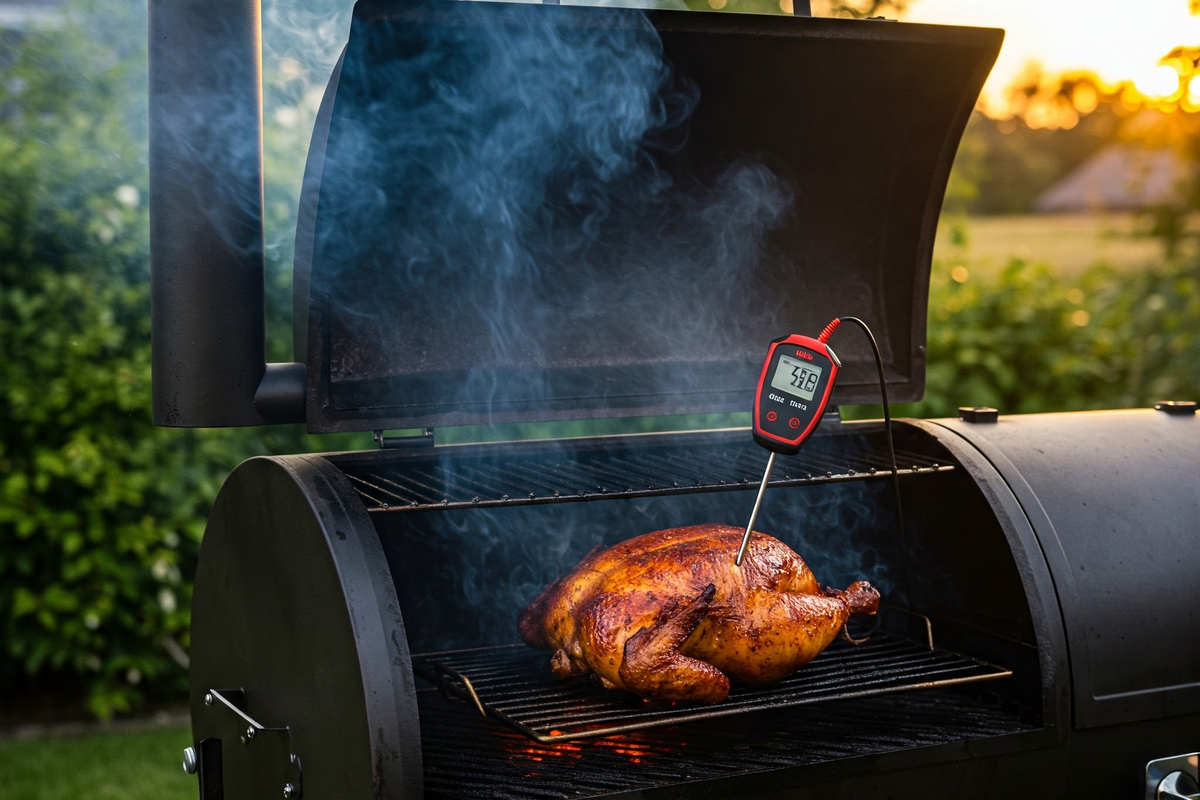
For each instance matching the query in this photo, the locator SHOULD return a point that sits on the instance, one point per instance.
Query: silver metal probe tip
(762, 490)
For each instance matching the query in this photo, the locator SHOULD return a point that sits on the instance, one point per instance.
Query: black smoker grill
(517, 213)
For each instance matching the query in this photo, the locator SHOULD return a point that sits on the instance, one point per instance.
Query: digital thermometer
(794, 388)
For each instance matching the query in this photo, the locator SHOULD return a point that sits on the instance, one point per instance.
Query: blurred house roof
(1120, 177)
(17, 14)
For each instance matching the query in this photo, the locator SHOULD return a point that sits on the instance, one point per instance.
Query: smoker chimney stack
(206, 221)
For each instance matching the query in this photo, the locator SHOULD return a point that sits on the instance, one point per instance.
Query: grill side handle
(206, 221)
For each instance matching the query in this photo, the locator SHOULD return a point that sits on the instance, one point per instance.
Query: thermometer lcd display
(796, 377)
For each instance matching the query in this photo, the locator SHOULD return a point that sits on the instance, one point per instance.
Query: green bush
(101, 513)
(1025, 339)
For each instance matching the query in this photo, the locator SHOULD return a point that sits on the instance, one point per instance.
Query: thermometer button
(772, 416)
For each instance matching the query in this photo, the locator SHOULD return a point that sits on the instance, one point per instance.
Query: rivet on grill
(532, 495)
(475, 499)
(556, 494)
(828, 474)
(503, 497)
(413, 503)
(872, 471)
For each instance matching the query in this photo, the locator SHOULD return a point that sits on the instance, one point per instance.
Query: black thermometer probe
(793, 390)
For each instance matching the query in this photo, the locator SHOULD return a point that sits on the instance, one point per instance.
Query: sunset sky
(1116, 39)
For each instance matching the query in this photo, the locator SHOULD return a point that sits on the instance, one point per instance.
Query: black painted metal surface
(206, 237)
(294, 607)
(206, 227)
(297, 605)
(1115, 500)
(412, 329)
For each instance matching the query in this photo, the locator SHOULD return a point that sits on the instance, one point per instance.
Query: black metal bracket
(280, 395)
(208, 763)
(422, 439)
(978, 414)
(209, 758)
(1176, 408)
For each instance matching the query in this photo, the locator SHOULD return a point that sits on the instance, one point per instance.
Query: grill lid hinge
(422, 438)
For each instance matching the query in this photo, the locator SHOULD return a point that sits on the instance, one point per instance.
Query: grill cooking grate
(514, 684)
(553, 475)
(467, 756)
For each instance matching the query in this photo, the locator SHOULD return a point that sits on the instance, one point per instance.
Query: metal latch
(207, 761)
(1174, 778)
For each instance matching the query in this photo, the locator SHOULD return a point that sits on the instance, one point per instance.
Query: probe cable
(823, 338)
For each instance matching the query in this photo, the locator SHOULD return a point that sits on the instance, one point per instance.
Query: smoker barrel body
(1114, 497)
(294, 610)
(310, 603)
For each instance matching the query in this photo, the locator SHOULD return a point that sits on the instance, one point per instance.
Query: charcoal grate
(514, 684)
(469, 756)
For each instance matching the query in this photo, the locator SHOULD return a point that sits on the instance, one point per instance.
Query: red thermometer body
(794, 388)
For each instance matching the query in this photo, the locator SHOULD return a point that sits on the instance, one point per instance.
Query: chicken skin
(669, 616)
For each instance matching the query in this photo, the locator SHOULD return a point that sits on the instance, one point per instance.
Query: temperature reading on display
(796, 377)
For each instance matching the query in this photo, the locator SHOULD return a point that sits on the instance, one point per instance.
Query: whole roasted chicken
(669, 616)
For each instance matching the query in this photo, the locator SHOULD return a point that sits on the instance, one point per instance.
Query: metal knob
(1178, 786)
(290, 791)
(190, 762)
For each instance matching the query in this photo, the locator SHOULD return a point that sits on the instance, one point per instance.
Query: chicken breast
(669, 616)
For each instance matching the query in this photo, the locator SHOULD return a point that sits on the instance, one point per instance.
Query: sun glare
(1114, 39)
(1163, 83)
(1193, 90)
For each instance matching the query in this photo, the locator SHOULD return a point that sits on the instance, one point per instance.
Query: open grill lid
(517, 212)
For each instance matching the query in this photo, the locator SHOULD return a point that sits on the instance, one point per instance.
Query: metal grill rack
(514, 684)
(468, 756)
(555, 476)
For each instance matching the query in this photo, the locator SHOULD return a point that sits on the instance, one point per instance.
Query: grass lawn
(1069, 242)
(136, 765)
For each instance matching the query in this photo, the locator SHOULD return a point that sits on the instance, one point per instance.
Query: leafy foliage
(101, 513)
(1025, 340)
